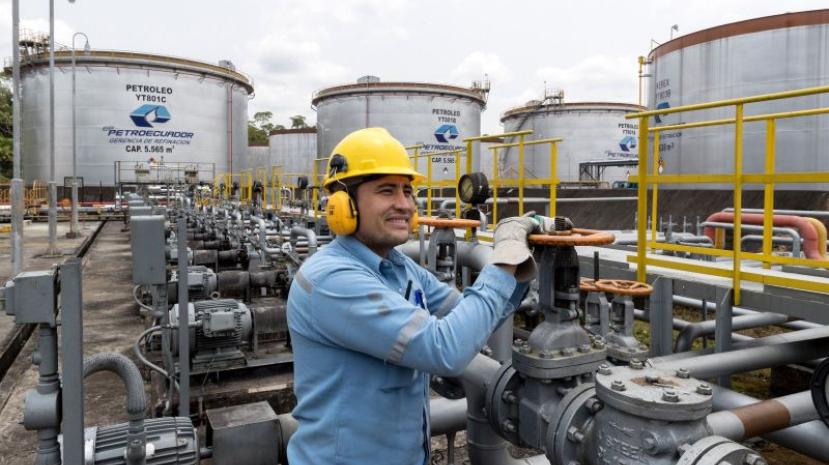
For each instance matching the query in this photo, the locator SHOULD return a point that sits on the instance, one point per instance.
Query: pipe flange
(653, 394)
(717, 450)
(568, 424)
(556, 364)
(502, 403)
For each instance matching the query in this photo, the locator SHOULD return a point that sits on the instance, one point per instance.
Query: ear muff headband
(341, 214)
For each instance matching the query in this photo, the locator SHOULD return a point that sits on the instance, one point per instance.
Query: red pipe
(812, 246)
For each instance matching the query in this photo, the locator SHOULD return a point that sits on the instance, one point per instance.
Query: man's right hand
(511, 247)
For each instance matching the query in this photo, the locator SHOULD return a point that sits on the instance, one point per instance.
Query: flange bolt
(617, 385)
(683, 373)
(704, 389)
(604, 369)
(670, 396)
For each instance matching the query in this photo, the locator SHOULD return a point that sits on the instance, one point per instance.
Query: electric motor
(170, 440)
(218, 329)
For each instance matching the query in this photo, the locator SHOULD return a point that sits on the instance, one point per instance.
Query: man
(362, 315)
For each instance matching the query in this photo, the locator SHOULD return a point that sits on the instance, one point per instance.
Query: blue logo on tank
(627, 143)
(661, 106)
(144, 115)
(446, 132)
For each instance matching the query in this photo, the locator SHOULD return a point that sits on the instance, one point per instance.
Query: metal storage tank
(131, 107)
(757, 56)
(294, 150)
(435, 115)
(257, 156)
(591, 131)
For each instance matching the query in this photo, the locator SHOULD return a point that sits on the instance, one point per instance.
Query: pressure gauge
(473, 188)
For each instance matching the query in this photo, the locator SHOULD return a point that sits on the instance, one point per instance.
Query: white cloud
(477, 64)
(597, 77)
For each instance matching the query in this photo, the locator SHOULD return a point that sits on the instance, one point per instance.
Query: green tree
(6, 153)
(298, 122)
(259, 128)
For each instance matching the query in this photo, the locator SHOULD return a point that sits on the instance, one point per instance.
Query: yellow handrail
(737, 178)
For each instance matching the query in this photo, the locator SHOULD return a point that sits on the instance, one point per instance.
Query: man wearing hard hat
(363, 317)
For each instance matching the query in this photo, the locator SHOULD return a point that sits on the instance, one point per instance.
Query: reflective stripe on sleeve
(303, 283)
(405, 335)
(448, 304)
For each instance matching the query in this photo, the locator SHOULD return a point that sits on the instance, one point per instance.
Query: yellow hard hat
(366, 152)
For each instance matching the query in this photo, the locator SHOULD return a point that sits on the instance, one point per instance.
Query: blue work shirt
(362, 351)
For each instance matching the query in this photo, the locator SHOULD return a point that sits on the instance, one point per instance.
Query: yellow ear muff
(341, 214)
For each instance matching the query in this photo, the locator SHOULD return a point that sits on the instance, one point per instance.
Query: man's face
(385, 206)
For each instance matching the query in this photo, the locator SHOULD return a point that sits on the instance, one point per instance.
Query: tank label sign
(152, 112)
(445, 133)
(627, 142)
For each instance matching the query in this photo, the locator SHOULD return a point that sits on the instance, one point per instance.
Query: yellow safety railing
(277, 175)
(737, 178)
(433, 183)
(521, 181)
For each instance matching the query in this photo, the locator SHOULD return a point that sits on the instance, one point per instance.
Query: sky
(292, 48)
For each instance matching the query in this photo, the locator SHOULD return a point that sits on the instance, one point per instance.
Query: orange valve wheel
(573, 237)
(588, 285)
(624, 287)
(448, 223)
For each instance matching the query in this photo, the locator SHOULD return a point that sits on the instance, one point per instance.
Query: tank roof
(277, 132)
(765, 23)
(141, 60)
(370, 87)
(548, 107)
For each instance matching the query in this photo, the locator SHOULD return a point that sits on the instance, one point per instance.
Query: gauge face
(473, 188)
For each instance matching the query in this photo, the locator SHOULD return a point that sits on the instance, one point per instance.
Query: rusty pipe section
(763, 417)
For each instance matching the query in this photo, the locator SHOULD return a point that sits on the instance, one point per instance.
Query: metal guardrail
(737, 178)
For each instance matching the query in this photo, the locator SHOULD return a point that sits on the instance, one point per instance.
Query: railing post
(429, 186)
(642, 201)
(738, 199)
(458, 178)
(495, 185)
(768, 194)
(655, 193)
(468, 158)
(521, 174)
(553, 177)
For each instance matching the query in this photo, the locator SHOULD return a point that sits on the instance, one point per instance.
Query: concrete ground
(36, 241)
(111, 324)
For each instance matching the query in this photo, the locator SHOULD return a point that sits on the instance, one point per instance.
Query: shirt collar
(366, 255)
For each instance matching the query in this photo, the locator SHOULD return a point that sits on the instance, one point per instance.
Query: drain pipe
(136, 400)
(692, 331)
(764, 417)
(484, 446)
(807, 438)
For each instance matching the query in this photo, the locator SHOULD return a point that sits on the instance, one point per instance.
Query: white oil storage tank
(758, 56)
(132, 107)
(293, 151)
(436, 116)
(598, 146)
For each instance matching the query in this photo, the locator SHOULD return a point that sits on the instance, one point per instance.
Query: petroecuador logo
(146, 114)
(627, 143)
(446, 132)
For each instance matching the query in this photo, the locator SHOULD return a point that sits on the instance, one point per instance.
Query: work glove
(511, 247)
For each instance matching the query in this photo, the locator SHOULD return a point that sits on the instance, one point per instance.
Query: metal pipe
(447, 202)
(814, 213)
(763, 417)
(692, 331)
(750, 359)
(136, 400)
(52, 188)
(73, 224)
(696, 303)
(17, 183)
(679, 324)
(447, 416)
(309, 234)
(791, 232)
(774, 240)
(484, 446)
(807, 438)
(183, 321)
